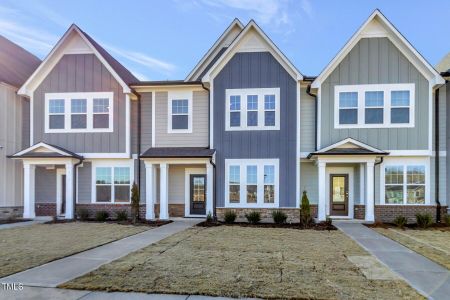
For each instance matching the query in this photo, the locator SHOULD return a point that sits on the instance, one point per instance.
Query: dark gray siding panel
(146, 121)
(257, 70)
(45, 185)
(25, 123)
(134, 126)
(85, 183)
(81, 73)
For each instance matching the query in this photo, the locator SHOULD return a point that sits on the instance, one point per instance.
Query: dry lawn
(246, 262)
(433, 243)
(25, 247)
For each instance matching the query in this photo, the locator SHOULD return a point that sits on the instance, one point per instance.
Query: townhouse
(246, 130)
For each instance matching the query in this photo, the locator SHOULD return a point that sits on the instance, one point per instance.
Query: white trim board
(187, 192)
(59, 173)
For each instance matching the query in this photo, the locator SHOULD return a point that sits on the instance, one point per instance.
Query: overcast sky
(160, 40)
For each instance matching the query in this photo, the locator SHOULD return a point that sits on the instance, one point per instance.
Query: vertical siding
(356, 184)
(308, 181)
(307, 122)
(45, 185)
(447, 140)
(134, 126)
(376, 61)
(257, 70)
(81, 73)
(146, 121)
(85, 182)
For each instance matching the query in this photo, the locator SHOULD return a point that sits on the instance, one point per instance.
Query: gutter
(308, 91)
(436, 149)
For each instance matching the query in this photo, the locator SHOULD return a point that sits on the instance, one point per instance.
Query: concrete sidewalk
(38, 220)
(62, 270)
(426, 276)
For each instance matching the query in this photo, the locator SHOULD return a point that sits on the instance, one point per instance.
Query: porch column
(322, 197)
(164, 192)
(69, 214)
(28, 191)
(209, 188)
(370, 204)
(149, 187)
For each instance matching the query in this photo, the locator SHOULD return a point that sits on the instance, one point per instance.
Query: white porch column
(164, 192)
(28, 191)
(209, 188)
(322, 197)
(69, 214)
(370, 204)
(149, 187)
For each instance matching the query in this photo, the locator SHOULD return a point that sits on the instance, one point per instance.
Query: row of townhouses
(246, 130)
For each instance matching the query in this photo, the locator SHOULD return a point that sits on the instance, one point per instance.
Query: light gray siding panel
(81, 73)
(45, 185)
(442, 181)
(199, 136)
(257, 70)
(447, 139)
(307, 122)
(308, 181)
(85, 183)
(25, 123)
(134, 126)
(376, 61)
(146, 121)
(357, 185)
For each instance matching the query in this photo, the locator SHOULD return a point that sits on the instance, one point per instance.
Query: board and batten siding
(307, 122)
(146, 121)
(376, 61)
(81, 73)
(84, 177)
(257, 70)
(199, 136)
(45, 185)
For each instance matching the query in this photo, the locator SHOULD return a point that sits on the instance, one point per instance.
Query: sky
(164, 39)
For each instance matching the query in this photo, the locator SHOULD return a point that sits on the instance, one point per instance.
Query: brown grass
(246, 262)
(432, 243)
(25, 247)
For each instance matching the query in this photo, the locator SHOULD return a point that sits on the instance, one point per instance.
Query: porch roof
(349, 146)
(178, 152)
(44, 150)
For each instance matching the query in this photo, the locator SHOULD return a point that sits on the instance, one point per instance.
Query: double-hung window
(101, 113)
(234, 184)
(56, 113)
(252, 109)
(112, 184)
(180, 112)
(374, 111)
(348, 108)
(400, 107)
(78, 117)
(252, 183)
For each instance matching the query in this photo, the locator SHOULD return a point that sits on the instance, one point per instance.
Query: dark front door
(339, 195)
(198, 194)
(63, 196)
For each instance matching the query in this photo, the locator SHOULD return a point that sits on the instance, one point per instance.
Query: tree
(135, 202)
(305, 211)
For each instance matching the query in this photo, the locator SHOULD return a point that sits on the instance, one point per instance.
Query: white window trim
(243, 93)
(387, 89)
(179, 95)
(405, 162)
(89, 112)
(260, 163)
(110, 164)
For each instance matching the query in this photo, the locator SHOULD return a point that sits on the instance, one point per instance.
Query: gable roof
(83, 44)
(349, 146)
(377, 25)
(16, 64)
(44, 150)
(233, 48)
(216, 50)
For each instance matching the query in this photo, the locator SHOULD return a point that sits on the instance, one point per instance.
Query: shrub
(209, 218)
(279, 217)
(83, 214)
(447, 219)
(122, 215)
(101, 216)
(305, 211)
(253, 217)
(400, 221)
(424, 220)
(135, 202)
(230, 216)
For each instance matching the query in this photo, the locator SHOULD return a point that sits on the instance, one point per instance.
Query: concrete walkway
(429, 278)
(38, 220)
(62, 270)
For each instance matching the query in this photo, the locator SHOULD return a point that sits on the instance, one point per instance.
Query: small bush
(102, 216)
(135, 202)
(424, 220)
(254, 217)
(279, 217)
(230, 216)
(400, 221)
(447, 219)
(305, 211)
(209, 218)
(83, 214)
(122, 215)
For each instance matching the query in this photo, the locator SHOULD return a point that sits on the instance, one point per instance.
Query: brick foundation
(266, 213)
(175, 210)
(11, 212)
(45, 209)
(387, 213)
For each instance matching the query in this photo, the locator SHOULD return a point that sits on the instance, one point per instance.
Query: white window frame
(260, 93)
(67, 97)
(179, 95)
(387, 89)
(405, 162)
(259, 163)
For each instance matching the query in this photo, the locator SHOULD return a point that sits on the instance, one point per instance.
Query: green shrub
(279, 217)
(305, 211)
(83, 214)
(424, 220)
(135, 202)
(253, 217)
(400, 221)
(209, 218)
(447, 219)
(122, 215)
(101, 216)
(230, 216)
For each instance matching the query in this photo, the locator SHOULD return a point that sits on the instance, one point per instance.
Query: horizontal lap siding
(307, 122)
(146, 121)
(308, 181)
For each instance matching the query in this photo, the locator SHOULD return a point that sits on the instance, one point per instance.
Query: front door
(198, 195)
(63, 196)
(339, 195)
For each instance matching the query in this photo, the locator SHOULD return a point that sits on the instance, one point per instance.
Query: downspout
(308, 91)
(139, 142)
(374, 177)
(75, 168)
(436, 169)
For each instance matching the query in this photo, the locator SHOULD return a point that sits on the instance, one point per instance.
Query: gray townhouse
(246, 130)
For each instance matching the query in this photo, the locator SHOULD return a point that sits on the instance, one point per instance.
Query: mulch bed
(10, 221)
(316, 226)
(435, 226)
(156, 223)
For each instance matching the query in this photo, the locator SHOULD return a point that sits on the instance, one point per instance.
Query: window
(394, 185)
(252, 109)
(112, 184)
(374, 106)
(251, 182)
(415, 184)
(180, 111)
(180, 114)
(78, 112)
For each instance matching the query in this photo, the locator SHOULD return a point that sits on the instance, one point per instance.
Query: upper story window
(179, 112)
(78, 112)
(252, 109)
(374, 106)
